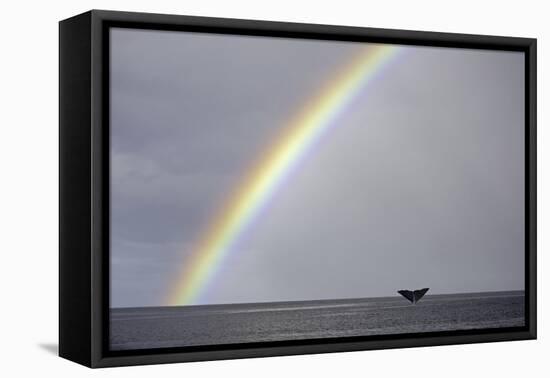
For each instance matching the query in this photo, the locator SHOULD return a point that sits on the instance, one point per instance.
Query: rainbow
(273, 168)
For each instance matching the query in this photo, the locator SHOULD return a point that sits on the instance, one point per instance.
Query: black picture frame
(84, 187)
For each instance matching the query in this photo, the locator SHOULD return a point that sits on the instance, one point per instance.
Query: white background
(29, 186)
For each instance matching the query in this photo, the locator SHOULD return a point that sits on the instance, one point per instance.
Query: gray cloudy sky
(419, 184)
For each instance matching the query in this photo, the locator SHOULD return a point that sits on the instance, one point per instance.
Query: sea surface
(160, 327)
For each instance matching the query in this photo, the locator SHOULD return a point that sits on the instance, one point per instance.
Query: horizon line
(314, 300)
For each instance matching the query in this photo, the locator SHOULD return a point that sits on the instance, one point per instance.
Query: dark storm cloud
(420, 183)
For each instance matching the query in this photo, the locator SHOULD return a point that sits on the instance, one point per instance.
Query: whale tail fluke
(414, 296)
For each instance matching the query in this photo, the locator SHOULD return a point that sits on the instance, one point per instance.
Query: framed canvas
(235, 188)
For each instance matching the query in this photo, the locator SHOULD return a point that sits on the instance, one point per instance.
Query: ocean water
(160, 327)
